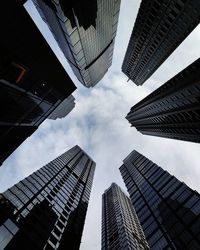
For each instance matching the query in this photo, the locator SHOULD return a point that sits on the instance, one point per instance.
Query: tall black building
(32, 81)
(121, 228)
(173, 110)
(47, 209)
(168, 210)
(85, 32)
(159, 29)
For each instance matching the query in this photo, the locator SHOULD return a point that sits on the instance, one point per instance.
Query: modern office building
(121, 228)
(85, 32)
(47, 209)
(32, 80)
(159, 29)
(173, 110)
(63, 109)
(168, 210)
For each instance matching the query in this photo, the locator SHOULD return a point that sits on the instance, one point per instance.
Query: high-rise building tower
(47, 209)
(168, 210)
(159, 29)
(173, 110)
(63, 109)
(120, 226)
(85, 32)
(32, 81)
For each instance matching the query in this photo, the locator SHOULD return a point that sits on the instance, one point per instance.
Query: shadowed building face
(47, 209)
(85, 32)
(172, 110)
(181, 223)
(32, 81)
(159, 29)
(168, 210)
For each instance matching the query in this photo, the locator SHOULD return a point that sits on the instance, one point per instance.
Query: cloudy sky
(97, 124)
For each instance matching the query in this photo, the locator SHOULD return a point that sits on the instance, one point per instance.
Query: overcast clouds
(97, 124)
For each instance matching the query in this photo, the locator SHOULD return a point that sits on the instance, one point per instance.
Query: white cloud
(99, 126)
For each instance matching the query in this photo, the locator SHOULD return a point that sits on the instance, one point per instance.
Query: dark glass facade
(168, 210)
(47, 209)
(85, 32)
(159, 29)
(32, 81)
(173, 110)
(121, 228)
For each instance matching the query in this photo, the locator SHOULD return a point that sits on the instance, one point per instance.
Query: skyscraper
(32, 80)
(63, 109)
(120, 226)
(173, 110)
(47, 209)
(168, 210)
(159, 29)
(85, 32)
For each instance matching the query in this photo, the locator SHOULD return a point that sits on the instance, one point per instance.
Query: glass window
(148, 222)
(5, 237)
(150, 228)
(184, 195)
(154, 237)
(160, 244)
(178, 192)
(155, 176)
(162, 181)
(49, 247)
(196, 208)
(171, 186)
(11, 226)
(192, 201)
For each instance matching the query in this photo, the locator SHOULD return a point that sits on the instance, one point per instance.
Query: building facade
(159, 29)
(172, 110)
(85, 32)
(63, 109)
(168, 210)
(47, 209)
(32, 80)
(121, 228)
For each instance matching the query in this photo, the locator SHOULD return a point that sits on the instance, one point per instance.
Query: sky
(98, 125)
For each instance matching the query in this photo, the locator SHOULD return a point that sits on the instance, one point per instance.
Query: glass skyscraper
(32, 81)
(159, 29)
(121, 228)
(47, 209)
(63, 109)
(85, 32)
(168, 210)
(172, 110)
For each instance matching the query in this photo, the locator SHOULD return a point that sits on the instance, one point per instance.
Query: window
(154, 237)
(53, 240)
(11, 226)
(49, 247)
(5, 237)
(160, 244)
